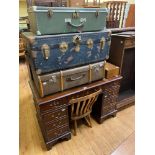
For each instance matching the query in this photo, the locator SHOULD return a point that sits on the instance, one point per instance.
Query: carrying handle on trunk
(73, 25)
(77, 78)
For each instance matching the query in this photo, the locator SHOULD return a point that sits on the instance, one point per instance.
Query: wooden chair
(81, 108)
(116, 13)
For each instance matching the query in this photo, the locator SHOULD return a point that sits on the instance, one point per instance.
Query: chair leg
(87, 120)
(75, 127)
(90, 120)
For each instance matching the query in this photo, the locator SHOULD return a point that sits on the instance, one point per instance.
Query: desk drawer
(114, 83)
(129, 43)
(63, 121)
(113, 90)
(109, 100)
(57, 132)
(107, 109)
(55, 115)
(57, 104)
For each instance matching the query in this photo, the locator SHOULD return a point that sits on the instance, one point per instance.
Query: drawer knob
(105, 96)
(52, 104)
(121, 42)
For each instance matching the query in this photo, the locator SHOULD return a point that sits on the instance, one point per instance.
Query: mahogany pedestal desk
(52, 111)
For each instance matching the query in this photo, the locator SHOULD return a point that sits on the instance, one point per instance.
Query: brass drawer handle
(54, 104)
(105, 96)
(54, 125)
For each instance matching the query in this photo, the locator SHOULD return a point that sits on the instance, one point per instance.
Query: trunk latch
(46, 51)
(90, 43)
(63, 47)
(102, 43)
(77, 41)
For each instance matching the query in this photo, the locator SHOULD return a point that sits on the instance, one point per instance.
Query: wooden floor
(127, 147)
(101, 139)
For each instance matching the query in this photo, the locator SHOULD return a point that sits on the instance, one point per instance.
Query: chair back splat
(81, 107)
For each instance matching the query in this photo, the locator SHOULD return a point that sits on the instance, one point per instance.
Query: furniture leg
(90, 120)
(75, 127)
(87, 120)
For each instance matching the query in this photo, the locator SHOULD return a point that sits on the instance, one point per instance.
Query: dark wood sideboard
(122, 54)
(53, 111)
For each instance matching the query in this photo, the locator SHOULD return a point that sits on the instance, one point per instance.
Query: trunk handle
(73, 25)
(77, 78)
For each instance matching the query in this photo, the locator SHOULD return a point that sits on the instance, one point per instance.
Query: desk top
(68, 92)
(119, 30)
(129, 34)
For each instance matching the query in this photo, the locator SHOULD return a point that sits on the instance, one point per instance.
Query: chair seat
(76, 117)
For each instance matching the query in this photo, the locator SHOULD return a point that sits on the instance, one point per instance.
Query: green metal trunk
(54, 20)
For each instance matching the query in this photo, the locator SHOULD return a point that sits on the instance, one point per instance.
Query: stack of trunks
(67, 47)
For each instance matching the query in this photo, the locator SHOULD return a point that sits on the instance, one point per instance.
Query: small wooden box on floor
(111, 71)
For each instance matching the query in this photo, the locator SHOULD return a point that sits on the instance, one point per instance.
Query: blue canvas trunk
(51, 53)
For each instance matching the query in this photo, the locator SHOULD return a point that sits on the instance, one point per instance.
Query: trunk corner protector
(41, 87)
(62, 82)
(32, 39)
(90, 73)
